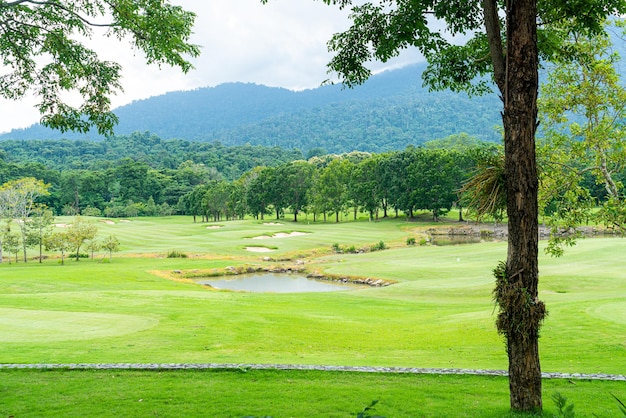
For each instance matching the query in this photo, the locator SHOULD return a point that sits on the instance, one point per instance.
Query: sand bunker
(108, 222)
(272, 223)
(214, 227)
(281, 235)
(124, 220)
(291, 234)
(61, 225)
(259, 249)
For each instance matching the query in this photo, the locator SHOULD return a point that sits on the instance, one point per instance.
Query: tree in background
(38, 227)
(11, 243)
(435, 178)
(58, 241)
(364, 186)
(20, 198)
(39, 46)
(502, 38)
(295, 179)
(330, 192)
(78, 233)
(92, 246)
(111, 244)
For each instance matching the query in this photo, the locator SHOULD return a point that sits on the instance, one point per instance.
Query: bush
(336, 248)
(379, 247)
(176, 254)
(410, 241)
(351, 249)
(91, 211)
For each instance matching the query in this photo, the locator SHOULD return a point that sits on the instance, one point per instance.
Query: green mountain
(389, 112)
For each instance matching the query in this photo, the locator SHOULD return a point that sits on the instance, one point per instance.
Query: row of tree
(18, 206)
(87, 178)
(406, 181)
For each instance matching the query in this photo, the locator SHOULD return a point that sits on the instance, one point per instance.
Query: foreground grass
(278, 394)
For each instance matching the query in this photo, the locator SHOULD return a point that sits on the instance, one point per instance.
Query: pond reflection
(273, 283)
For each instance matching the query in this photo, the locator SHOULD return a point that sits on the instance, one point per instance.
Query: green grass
(278, 393)
(438, 314)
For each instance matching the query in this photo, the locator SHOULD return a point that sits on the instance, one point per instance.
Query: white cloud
(282, 43)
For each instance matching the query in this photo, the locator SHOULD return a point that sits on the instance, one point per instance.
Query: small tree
(111, 244)
(11, 243)
(38, 227)
(58, 241)
(80, 232)
(93, 246)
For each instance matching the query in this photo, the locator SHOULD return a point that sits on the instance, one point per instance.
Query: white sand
(292, 234)
(259, 249)
(262, 237)
(214, 227)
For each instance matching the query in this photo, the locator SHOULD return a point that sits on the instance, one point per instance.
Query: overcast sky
(282, 43)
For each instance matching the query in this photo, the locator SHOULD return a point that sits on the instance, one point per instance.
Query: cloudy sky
(280, 44)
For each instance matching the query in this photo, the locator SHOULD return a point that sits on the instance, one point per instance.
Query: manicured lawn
(279, 394)
(438, 314)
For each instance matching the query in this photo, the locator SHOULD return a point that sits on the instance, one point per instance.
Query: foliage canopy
(43, 50)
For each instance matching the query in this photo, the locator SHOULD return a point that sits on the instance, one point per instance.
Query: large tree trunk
(522, 310)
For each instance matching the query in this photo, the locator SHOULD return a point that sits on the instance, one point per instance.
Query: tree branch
(493, 30)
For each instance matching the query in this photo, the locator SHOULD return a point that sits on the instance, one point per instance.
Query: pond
(441, 240)
(273, 283)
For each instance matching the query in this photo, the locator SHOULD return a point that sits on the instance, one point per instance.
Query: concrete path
(244, 367)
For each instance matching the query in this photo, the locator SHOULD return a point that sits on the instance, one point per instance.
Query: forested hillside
(64, 155)
(389, 112)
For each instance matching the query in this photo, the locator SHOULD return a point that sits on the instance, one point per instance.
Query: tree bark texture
(520, 122)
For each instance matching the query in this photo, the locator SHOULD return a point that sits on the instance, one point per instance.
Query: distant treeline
(401, 181)
(142, 175)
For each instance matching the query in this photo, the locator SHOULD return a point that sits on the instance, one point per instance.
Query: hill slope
(390, 111)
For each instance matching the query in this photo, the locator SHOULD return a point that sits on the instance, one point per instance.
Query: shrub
(336, 248)
(176, 254)
(351, 249)
(379, 247)
(91, 211)
(410, 241)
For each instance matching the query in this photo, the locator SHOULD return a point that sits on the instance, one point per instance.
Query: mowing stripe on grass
(359, 369)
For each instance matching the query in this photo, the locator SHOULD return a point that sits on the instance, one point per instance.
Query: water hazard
(273, 283)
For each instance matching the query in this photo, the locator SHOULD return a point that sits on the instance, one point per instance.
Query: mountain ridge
(390, 111)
